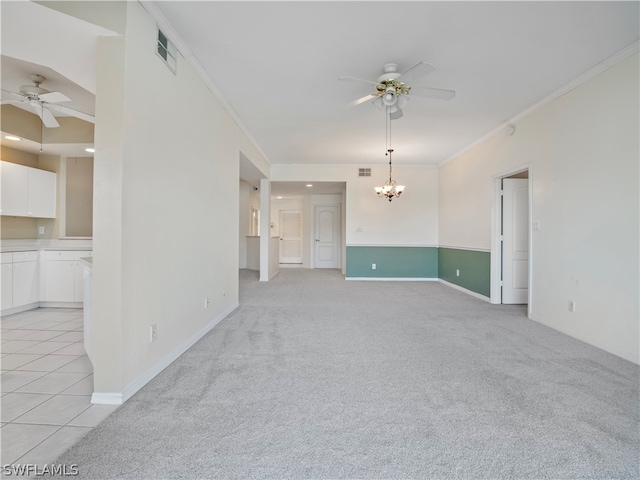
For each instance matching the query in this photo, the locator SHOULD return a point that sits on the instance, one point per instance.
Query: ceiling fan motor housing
(32, 91)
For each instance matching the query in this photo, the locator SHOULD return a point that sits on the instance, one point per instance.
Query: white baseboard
(61, 304)
(606, 346)
(103, 398)
(465, 290)
(393, 279)
(21, 308)
(142, 380)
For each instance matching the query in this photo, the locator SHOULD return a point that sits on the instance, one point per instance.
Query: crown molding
(152, 9)
(576, 82)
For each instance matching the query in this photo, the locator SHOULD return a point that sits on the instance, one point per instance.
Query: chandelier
(390, 189)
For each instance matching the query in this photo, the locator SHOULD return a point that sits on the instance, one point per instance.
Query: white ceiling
(277, 65)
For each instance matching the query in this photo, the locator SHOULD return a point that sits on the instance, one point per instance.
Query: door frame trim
(496, 228)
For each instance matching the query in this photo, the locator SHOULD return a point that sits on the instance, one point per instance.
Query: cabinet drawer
(60, 255)
(7, 257)
(30, 256)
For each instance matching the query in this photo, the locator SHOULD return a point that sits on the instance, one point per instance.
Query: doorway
(511, 245)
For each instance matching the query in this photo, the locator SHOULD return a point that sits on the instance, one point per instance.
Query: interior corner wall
(583, 149)
(166, 250)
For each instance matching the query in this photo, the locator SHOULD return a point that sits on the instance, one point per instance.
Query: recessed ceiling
(277, 65)
(16, 72)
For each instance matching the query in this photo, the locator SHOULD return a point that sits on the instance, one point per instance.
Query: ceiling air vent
(364, 172)
(167, 51)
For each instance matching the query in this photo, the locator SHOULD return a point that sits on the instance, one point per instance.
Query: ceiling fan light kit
(392, 88)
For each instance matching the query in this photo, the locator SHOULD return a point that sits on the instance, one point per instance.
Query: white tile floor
(47, 381)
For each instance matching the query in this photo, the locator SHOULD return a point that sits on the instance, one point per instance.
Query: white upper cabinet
(42, 194)
(15, 181)
(27, 192)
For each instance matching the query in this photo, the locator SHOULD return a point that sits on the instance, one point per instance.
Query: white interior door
(515, 241)
(327, 237)
(290, 236)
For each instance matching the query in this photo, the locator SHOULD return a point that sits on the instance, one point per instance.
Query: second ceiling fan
(44, 103)
(392, 88)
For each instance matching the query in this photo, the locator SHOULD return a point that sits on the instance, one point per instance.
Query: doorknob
(317, 240)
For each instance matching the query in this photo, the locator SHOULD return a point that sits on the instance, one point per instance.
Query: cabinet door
(7, 286)
(14, 187)
(59, 281)
(42, 194)
(25, 283)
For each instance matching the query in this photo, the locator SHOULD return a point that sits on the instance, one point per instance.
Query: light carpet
(315, 377)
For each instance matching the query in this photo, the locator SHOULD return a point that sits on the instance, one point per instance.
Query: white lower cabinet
(7, 281)
(19, 279)
(63, 276)
(25, 278)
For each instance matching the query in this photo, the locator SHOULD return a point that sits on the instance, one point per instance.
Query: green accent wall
(474, 266)
(392, 262)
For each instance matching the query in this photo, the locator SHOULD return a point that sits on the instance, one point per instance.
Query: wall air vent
(364, 172)
(167, 51)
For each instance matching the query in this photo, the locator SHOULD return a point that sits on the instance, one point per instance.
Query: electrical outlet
(206, 302)
(373, 266)
(457, 273)
(153, 333)
(224, 292)
(40, 230)
(572, 306)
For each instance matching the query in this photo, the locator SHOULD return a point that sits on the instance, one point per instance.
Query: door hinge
(501, 284)
(502, 238)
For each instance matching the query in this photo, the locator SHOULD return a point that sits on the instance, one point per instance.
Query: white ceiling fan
(392, 88)
(44, 103)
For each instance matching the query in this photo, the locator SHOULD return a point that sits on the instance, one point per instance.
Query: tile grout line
(59, 327)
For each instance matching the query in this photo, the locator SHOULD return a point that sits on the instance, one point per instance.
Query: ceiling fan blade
(54, 97)
(7, 102)
(437, 93)
(360, 100)
(396, 115)
(415, 72)
(74, 113)
(45, 115)
(359, 80)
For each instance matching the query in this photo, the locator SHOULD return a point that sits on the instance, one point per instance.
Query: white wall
(374, 221)
(166, 209)
(584, 153)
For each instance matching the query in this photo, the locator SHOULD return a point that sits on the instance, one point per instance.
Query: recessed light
(279, 198)
(309, 185)
(12, 137)
(90, 150)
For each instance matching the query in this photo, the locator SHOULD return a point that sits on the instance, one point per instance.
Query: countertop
(49, 244)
